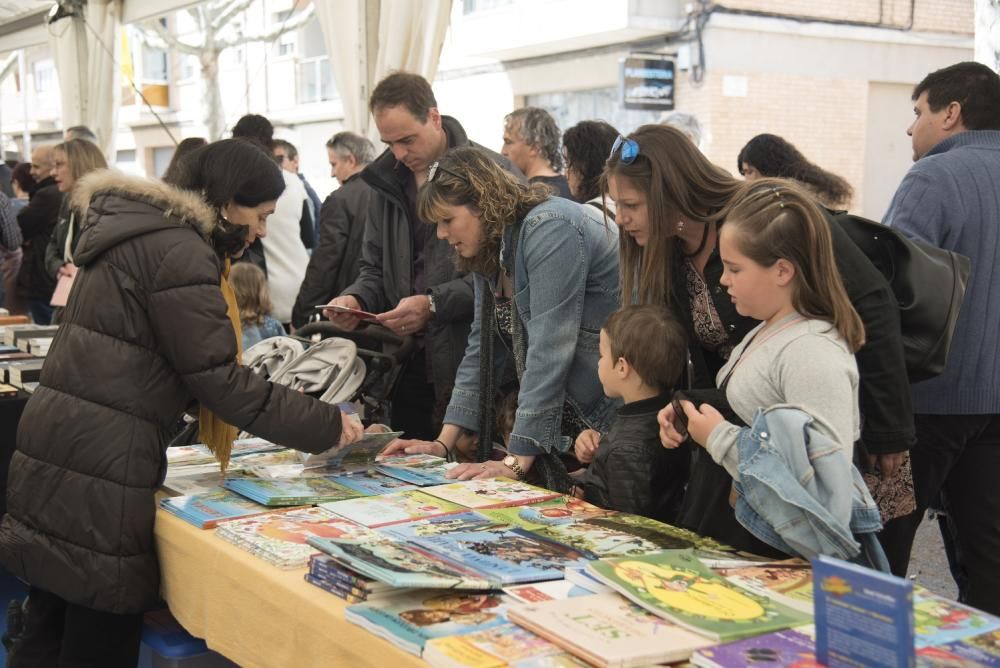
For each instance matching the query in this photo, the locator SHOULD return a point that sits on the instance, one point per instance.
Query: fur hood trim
(175, 202)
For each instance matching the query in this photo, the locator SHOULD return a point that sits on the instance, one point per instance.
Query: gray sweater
(950, 198)
(797, 361)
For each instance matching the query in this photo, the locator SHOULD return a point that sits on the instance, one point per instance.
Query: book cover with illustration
(491, 493)
(379, 511)
(418, 469)
(410, 619)
(559, 511)
(787, 582)
(503, 646)
(208, 509)
(666, 536)
(600, 540)
(401, 564)
(506, 556)
(550, 590)
(467, 521)
(607, 630)
(280, 538)
(938, 621)
(791, 648)
(361, 453)
(677, 586)
(978, 650)
(289, 492)
(863, 617)
(372, 483)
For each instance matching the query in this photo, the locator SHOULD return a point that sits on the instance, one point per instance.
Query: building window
(473, 6)
(154, 65)
(571, 107)
(190, 68)
(161, 159)
(45, 76)
(316, 80)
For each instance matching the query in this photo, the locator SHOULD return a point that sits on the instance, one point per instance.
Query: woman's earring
(680, 226)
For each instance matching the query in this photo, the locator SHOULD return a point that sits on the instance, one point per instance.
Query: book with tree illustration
(410, 619)
(492, 493)
(607, 630)
(378, 511)
(677, 586)
(288, 492)
(208, 509)
(506, 646)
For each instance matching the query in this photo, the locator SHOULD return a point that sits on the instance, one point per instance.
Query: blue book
(208, 509)
(372, 483)
(506, 556)
(435, 526)
(863, 617)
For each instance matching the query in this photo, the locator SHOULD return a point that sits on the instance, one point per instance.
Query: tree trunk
(988, 33)
(213, 114)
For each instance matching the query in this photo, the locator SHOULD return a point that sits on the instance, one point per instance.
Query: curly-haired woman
(546, 279)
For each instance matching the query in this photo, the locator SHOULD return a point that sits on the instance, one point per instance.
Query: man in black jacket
(334, 263)
(408, 275)
(37, 220)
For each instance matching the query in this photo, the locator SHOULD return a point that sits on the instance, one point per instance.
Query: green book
(677, 586)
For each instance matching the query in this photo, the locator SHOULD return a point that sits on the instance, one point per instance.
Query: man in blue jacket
(950, 199)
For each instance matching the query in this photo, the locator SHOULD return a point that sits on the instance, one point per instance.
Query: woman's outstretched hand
(412, 446)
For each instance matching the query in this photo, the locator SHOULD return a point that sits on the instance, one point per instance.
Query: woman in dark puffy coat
(146, 332)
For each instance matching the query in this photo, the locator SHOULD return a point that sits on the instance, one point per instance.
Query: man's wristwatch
(431, 305)
(510, 461)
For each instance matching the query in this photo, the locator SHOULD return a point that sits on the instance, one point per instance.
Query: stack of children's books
(340, 581)
(207, 509)
(421, 470)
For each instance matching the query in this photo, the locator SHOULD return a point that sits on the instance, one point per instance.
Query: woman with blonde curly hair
(546, 279)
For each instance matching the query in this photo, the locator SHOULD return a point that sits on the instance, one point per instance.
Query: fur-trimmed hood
(114, 207)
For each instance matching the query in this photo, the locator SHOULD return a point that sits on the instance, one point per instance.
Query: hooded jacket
(144, 333)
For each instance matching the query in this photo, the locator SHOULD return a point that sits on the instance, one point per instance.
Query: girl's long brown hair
(775, 219)
(252, 296)
(678, 182)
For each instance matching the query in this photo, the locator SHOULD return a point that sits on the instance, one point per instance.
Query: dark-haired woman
(586, 146)
(187, 146)
(670, 202)
(150, 327)
(546, 276)
(770, 155)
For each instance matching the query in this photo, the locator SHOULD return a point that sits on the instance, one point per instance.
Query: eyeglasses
(436, 167)
(627, 149)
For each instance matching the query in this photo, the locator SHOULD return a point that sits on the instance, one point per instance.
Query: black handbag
(929, 284)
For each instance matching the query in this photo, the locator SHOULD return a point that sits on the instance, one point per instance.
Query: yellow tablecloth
(256, 614)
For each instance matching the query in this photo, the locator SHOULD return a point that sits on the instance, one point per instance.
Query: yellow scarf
(212, 430)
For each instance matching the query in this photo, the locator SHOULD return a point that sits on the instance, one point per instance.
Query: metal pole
(26, 133)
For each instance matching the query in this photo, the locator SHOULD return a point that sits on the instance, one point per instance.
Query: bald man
(37, 220)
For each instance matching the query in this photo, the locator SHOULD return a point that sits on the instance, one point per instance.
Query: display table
(256, 614)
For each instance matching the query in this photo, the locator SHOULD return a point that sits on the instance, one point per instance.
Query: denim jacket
(565, 276)
(799, 493)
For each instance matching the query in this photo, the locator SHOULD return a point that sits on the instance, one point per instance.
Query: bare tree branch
(294, 23)
(227, 14)
(159, 37)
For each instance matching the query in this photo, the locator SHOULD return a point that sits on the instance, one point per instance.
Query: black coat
(144, 334)
(334, 263)
(38, 221)
(631, 472)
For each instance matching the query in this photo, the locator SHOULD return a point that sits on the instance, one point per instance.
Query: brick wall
(954, 16)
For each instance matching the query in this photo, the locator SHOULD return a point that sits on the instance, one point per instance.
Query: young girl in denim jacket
(254, 300)
(779, 269)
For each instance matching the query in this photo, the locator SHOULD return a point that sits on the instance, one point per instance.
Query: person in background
(686, 123)
(72, 160)
(586, 146)
(531, 142)
(152, 328)
(770, 155)
(38, 221)
(629, 470)
(284, 255)
(540, 306)
(80, 132)
(334, 264)
(23, 186)
(250, 287)
(188, 145)
(949, 199)
(288, 159)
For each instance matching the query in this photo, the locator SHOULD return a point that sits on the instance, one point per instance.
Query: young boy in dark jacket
(643, 352)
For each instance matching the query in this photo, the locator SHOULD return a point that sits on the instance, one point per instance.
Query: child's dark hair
(651, 341)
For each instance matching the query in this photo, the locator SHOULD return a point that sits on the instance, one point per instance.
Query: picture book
(410, 619)
(324, 566)
(506, 556)
(579, 576)
(863, 617)
(607, 630)
(677, 586)
(791, 648)
(378, 511)
(208, 509)
(360, 453)
(491, 493)
(193, 479)
(938, 621)
(599, 539)
(979, 650)
(470, 520)
(787, 582)
(288, 492)
(559, 511)
(551, 590)
(420, 470)
(280, 538)
(372, 483)
(502, 646)
(665, 536)
(401, 564)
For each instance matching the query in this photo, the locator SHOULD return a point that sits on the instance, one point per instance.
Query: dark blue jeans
(958, 457)
(41, 312)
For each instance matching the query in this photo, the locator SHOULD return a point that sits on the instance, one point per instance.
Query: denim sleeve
(463, 408)
(556, 264)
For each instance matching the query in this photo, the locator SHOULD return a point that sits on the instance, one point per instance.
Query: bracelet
(449, 456)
